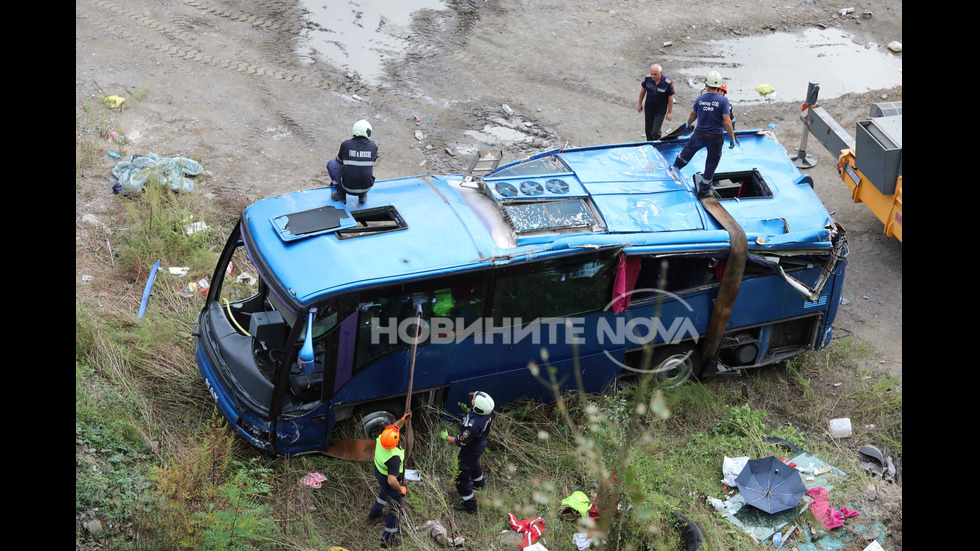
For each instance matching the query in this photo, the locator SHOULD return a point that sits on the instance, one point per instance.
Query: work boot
(362, 199)
(462, 506)
(336, 197)
(388, 543)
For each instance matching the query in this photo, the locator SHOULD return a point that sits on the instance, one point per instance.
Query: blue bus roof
(622, 195)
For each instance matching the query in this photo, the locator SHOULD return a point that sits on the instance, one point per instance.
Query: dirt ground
(218, 81)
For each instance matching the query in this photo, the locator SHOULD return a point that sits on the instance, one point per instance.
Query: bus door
(304, 393)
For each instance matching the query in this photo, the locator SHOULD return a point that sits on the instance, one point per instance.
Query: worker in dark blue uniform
(352, 171)
(389, 471)
(711, 110)
(471, 440)
(658, 92)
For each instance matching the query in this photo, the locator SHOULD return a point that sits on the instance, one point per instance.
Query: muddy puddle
(360, 35)
(787, 62)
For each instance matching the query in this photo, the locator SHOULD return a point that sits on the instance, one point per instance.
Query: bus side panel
(597, 371)
(769, 298)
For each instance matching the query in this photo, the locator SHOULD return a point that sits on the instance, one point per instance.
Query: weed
(160, 229)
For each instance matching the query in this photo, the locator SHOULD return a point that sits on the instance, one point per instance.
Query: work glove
(731, 145)
(407, 416)
(444, 434)
(403, 490)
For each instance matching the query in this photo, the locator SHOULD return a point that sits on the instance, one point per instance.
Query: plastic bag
(731, 467)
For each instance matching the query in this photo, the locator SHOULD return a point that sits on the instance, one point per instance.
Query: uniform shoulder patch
(667, 80)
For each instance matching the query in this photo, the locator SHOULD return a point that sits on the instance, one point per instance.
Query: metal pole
(800, 158)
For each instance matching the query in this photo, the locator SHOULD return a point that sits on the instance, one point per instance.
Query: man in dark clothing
(658, 90)
(352, 171)
(471, 440)
(389, 471)
(711, 110)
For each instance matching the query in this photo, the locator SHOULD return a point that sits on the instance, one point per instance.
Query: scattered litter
(114, 155)
(766, 91)
(450, 152)
(435, 530)
(772, 125)
(531, 528)
(114, 102)
(866, 15)
(195, 227)
(844, 301)
(87, 278)
(582, 540)
(356, 97)
(418, 135)
(690, 82)
(874, 546)
(508, 110)
(828, 517)
(895, 46)
(536, 547)
(172, 171)
(731, 467)
(846, 11)
(313, 480)
(840, 428)
(146, 290)
(413, 475)
(417, 120)
(246, 277)
(668, 44)
(179, 271)
(575, 506)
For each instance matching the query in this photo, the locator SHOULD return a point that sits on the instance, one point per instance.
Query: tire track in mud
(175, 33)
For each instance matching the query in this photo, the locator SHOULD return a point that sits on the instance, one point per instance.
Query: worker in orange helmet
(389, 470)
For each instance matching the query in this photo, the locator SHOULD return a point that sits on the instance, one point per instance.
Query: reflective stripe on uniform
(391, 530)
(359, 163)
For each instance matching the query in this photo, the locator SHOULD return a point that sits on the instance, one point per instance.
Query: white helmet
(482, 403)
(714, 79)
(362, 129)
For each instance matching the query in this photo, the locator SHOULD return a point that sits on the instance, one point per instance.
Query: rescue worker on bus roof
(712, 111)
(471, 440)
(352, 171)
(389, 471)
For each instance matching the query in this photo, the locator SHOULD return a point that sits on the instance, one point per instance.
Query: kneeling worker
(389, 470)
(472, 440)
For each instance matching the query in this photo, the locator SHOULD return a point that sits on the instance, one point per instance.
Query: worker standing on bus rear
(352, 171)
(711, 110)
(658, 91)
(471, 440)
(389, 470)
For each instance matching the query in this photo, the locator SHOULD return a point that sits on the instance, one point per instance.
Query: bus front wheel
(376, 417)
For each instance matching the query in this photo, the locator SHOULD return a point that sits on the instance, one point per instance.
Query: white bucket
(840, 428)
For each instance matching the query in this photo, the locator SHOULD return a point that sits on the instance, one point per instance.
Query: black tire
(375, 417)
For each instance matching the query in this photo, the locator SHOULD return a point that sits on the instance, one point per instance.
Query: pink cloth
(829, 517)
(626, 274)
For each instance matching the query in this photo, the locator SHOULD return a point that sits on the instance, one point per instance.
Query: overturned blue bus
(597, 262)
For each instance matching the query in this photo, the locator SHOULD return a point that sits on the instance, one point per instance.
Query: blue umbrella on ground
(770, 485)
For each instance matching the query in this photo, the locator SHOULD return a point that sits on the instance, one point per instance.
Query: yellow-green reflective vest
(381, 457)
